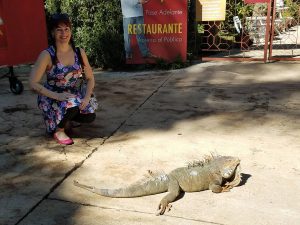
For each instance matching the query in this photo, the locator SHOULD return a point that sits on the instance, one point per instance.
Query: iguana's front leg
(226, 188)
(174, 191)
(215, 183)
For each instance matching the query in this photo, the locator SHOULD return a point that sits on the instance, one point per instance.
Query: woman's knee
(92, 117)
(85, 118)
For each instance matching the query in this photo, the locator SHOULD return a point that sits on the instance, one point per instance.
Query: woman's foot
(61, 137)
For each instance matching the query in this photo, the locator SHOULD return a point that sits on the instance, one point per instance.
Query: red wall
(24, 33)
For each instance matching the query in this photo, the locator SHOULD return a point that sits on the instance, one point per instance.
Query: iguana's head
(229, 166)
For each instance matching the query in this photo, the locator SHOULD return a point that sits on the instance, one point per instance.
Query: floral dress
(60, 79)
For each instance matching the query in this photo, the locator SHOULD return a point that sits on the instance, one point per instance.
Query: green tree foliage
(293, 9)
(97, 27)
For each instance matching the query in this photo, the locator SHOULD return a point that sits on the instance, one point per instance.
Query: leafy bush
(97, 28)
(292, 10)
(177, 63)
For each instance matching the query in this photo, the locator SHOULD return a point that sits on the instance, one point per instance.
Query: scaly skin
(218, 174)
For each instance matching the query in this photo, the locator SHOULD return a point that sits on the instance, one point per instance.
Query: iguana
(216, 173)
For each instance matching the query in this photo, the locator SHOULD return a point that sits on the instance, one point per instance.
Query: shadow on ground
(241, 95)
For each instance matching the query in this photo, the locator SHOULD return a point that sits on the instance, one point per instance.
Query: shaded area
(241, 96)
(245, 178)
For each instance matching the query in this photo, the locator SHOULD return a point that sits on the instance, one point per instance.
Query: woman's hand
(84, 102)
(64, 96)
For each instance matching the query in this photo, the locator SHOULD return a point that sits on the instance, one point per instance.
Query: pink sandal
(67, 141)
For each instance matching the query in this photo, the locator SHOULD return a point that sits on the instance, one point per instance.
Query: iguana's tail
(150, 187)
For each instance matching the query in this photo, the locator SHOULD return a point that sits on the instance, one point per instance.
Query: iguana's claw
(162, 208)
(169, 206)
(226, 188)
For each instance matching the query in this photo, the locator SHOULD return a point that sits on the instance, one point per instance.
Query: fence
(251, 32)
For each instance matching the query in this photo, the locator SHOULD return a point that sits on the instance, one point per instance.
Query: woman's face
(62, 33)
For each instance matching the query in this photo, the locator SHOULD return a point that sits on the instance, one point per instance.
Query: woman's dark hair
(55, 20)
(59, 18)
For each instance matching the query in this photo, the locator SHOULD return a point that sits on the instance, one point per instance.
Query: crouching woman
(59, 97)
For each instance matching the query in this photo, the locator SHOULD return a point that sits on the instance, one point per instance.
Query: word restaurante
(170, 28)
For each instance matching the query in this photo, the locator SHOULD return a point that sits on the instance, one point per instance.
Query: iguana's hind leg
(174, 191)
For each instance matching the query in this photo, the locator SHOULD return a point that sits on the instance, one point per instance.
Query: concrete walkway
(159, 121)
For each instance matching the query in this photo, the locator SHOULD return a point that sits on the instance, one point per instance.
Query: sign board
(23, 32)
(154, 30)
(210, 10)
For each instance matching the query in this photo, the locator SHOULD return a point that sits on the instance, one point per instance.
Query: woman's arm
(90, 79)
(36, 74)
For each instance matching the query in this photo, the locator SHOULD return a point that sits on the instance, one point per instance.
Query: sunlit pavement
(159, 121)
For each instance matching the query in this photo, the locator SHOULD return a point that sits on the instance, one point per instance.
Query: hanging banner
(154, 29)
(23, 33)
(210, 10)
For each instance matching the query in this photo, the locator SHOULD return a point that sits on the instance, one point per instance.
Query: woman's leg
(84, 118)
(60, 131)
(127, 38)
(70, 114)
